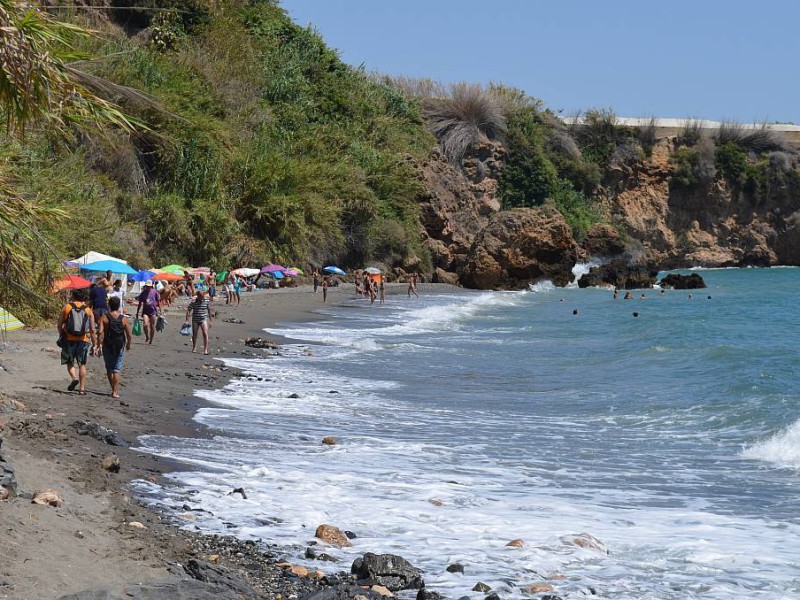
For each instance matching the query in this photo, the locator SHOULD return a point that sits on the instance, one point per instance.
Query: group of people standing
(94, 323)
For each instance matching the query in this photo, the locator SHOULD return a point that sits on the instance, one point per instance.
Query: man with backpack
(115, 339)
(75, 328)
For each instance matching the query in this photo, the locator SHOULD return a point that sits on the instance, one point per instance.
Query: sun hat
(148, 283)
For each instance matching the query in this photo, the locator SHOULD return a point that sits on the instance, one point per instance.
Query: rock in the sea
(379, 589)
(393, 572)
(517, 543)
(481, 587)
(47, 497)
(329, 440)
(455, 568)
(344, 591)
(426, 594)
(621, 275)
(536, 588)
(332, 535)
(585, 540)
(111, 463)
(519, 247)
(98, 432)
(683, 282)
(257, 342)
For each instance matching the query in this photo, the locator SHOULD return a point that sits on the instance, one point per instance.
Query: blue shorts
(113, 360)
(75, 352)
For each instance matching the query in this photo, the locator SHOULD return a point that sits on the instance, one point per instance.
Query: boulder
(442, 276)
(344, 591)
(388, 570)
(329, 440)
(379, 589)
(517, 543)
(257, 342)
(603, 240)
(683, 282)
(536, 588)
(481, 587)
(585, 540)
(111, 463)
(218, 576)
(621, 275)
(47, 497)
(519, 247)
(332, 535)
(426, 594)
(455, 568)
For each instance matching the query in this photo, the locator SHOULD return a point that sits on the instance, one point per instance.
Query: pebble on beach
(47, 497)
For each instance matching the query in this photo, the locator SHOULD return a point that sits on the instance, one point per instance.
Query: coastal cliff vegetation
(222, 133)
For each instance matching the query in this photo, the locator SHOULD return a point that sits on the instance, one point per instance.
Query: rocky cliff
(649, 222)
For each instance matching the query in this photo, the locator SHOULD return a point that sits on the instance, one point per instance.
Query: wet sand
(89, 542)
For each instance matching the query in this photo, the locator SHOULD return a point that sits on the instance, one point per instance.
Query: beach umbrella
(70, 282)
(143, 276)
(109, 265)
(334, 270)
(9, 322)
(372, 271)
(221, 276)
(167, 277)
(173, 269)
(273, 269)
(246, 272)
(297, 270)
(200, 271)
(291, 273)
(276, 275)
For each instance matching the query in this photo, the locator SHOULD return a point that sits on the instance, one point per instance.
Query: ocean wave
(782, 449)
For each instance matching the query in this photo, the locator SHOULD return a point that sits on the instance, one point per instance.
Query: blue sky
(710, 59)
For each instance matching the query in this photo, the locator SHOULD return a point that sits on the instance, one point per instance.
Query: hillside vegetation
(254, 143)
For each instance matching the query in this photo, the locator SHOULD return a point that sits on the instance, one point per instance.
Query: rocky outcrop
(683, 282)
(521, 246)
(457, 203)
(620, 274)
(393, 572)
(713, 225)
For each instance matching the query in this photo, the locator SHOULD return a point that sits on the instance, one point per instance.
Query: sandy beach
(92, 540)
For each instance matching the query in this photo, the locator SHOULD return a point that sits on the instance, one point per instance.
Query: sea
(643, 449)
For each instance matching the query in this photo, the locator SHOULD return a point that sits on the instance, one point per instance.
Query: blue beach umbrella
(277, 274)
(143, 276)
(110, 265)
(334, 270)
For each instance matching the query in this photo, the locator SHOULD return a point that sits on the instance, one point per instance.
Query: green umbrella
(221, 276)
(177, 269)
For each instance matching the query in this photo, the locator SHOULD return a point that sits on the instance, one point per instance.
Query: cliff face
(662, 225)
(714, 226)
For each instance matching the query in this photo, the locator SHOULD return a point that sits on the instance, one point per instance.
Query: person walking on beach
(75, 328)
(149, 306)
(116, 292)
(412, 284)
(316, 280)
(200, 312)
(98, 299)
(114, 340)
(325, 284)
(382, 289)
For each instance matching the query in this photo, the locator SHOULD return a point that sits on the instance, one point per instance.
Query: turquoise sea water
(672, 437)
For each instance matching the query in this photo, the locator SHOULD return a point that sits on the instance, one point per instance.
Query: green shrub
(693, 166)
(691, 133)
(731, 161)
(578, 211)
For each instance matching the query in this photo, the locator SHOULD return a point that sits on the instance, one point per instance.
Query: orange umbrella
(167, 277)
(70, 282)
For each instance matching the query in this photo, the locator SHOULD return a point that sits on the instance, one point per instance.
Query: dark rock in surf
(426, 594)
(683, 282)
(620, 275)
(455, 568)
(257, 342)
(393, 572)
(219, 576)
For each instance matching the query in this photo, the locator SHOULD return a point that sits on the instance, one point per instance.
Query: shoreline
(89, 542)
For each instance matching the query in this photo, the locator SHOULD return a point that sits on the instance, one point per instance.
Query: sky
(706, 59)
